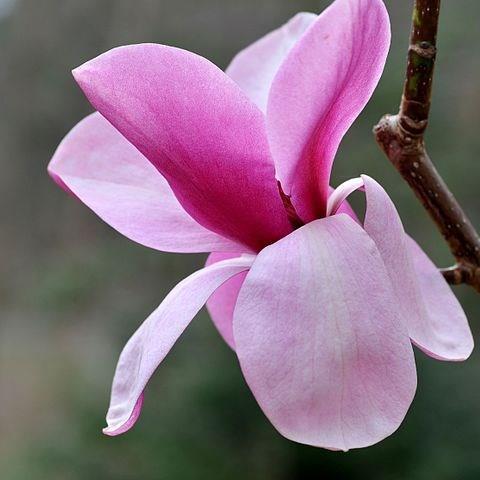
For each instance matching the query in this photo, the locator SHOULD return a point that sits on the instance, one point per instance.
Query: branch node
(424, 49)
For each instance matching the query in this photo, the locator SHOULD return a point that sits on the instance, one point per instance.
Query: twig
(401, 137)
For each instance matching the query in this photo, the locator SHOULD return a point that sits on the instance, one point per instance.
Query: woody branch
(401, 137)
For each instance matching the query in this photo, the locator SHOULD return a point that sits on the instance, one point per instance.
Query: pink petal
(447, 331)
(156, 336)
(337, 199)
(199, 130)
(222, 302)
(435, 320)
(320, 339)
(255, 67)
(107, 173)
(320, 89)
(344, 207)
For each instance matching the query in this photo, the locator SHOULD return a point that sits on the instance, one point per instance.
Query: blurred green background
(72, 291)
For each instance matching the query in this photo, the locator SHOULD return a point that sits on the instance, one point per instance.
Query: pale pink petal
(338, 197)
(320, 339)
(107, 173)
(447, 322)
(199, 130)
(156, 336)
(320, 89)
(222, 302)
(435, 320)
(346, 208)
(255, 67)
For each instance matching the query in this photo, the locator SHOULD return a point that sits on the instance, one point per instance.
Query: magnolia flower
(320, 307)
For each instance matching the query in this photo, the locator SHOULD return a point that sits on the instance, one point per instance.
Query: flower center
(292, 214)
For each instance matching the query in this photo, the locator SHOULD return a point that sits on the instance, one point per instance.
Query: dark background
(72, 291)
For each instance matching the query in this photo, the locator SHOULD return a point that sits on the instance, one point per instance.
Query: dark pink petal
(447, 322)
(222, 302)
(255, 67)
(435, 320)
(320, 89)
(107, 173)
(156, 336)
(320, 339)
(199, 130)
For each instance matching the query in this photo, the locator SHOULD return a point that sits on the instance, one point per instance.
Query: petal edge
(320, 341)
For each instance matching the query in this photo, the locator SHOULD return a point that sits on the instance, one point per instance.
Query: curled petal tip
(450, 353)
(109, 432)
(114, 429)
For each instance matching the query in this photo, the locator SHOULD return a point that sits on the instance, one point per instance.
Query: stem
(401, 137)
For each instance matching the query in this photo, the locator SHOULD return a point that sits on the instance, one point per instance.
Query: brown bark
(401, 137)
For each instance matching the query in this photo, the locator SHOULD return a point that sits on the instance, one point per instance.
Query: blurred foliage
(72, 291)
